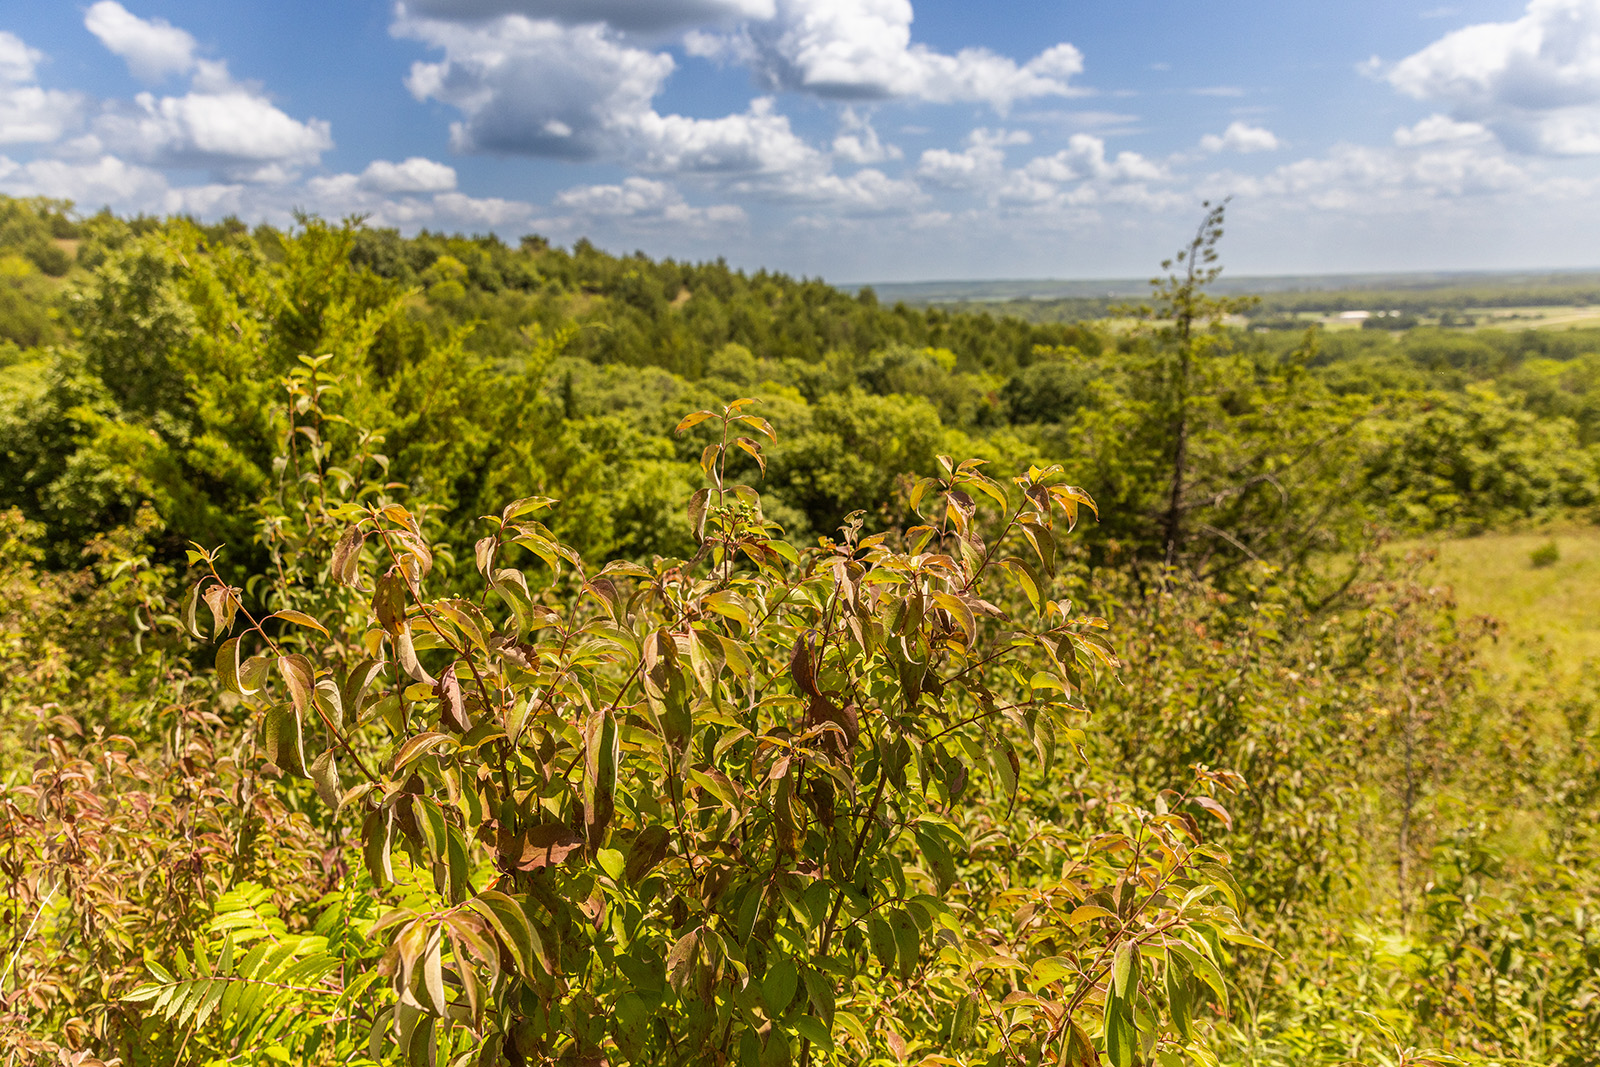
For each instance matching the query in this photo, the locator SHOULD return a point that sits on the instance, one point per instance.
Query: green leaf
(228, 666)
(941, 864)
(510, 924)
(1050, 969)
(907, 942)
(780, 984)
(1076, 1048)
(1125, 968)
(964, 1022)
(188, 612)
(283, 741)
(418, 746)
(813, 1031)
(612, 862)
(1121, 1038)
(1180, 999)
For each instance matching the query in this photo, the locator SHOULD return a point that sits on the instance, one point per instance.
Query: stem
(277, 650)
(36, 914)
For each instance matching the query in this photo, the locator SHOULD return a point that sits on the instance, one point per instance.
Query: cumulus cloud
(536, 87)
(868, 191)
(103, 180)
(1085, 158)
(1366, 178)
(980, 165)
(644, 200)
(414, 175)
(862, 50)
(634, 15)
(487, 211)
(1058, 185)
(219, 125)
(756, 141)
(28, 113)
(18, 62)
(539, 88)
(857, 141)
(1534, 82)
(153, 48)
(31, 115)
(1240, 137)
(1441, 129)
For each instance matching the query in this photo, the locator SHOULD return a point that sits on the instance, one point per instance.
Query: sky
(855, 140)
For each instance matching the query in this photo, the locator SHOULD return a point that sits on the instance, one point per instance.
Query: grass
(1550, 613)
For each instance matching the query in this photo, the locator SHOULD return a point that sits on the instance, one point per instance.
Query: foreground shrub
(763, 805)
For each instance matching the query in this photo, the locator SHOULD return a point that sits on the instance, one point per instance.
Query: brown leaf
(544, 846)
(1207, 804)
(822, 710)
(347, 557)
(389, 601)
(223, 602)
(300, 680)
(647, 850)
(452, 709)
(803, 667)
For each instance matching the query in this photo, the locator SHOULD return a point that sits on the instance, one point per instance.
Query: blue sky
(858, 140)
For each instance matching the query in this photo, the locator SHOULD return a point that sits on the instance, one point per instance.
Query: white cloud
(757, 141)
(539, 88)
(17, 60)
(28, 113)
(866, 192)
(153, 48)
(1534, 82)
(634, 15)
(1357, 177)
(488, 211)
(106, 180)
(219, 125)
(857, 142)
(1055, 187)
(1240, 137)
(536, 87)
(1085, 158)
(1441, 129)
(31, 115)
(862, 50)
(414, 175)
(646, 201)
(980, 165)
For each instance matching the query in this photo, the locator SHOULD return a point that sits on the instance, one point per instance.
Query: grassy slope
(1550, 615)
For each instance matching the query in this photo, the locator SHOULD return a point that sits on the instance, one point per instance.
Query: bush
(1546, 555)
(765, 800)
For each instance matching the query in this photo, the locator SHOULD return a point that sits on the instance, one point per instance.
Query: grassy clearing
(1550, 613)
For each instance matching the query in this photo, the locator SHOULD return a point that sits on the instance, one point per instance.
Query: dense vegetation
(394, 672)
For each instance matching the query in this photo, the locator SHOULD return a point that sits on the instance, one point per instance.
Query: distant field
(1539, 318)
(1550, 614)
